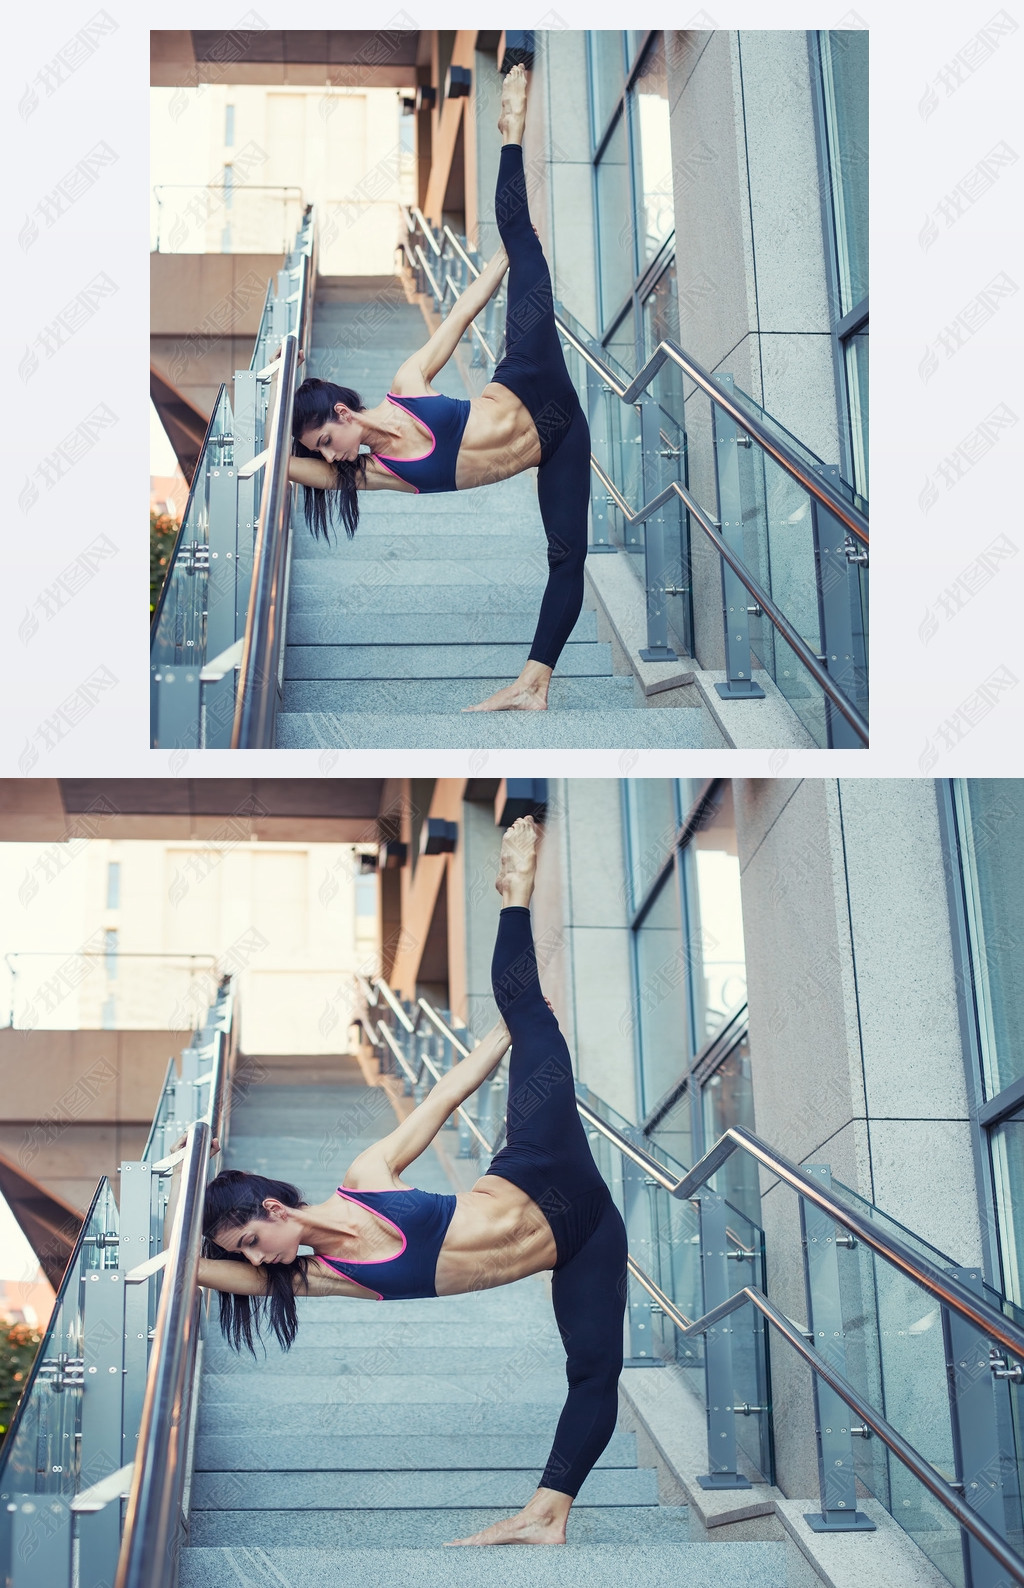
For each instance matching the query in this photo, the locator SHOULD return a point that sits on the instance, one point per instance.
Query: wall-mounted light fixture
(437, 837)
(520, 796)
(426, 98)
(391, 854)
(408, 104)
(457, 82)
(515, 49)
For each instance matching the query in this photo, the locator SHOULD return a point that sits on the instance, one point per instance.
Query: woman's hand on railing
(280, 352)
(179, 1144)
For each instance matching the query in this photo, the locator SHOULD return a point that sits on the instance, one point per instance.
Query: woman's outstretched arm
(419, 370)
(414, 1135)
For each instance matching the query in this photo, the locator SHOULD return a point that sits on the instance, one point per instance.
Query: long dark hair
(232, 1199)
(314, 405)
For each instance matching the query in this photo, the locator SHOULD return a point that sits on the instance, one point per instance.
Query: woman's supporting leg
(589, 1297)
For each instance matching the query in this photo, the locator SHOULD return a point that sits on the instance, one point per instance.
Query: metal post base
(644, 1361)
(839, 1522)
(724, 1480)
(658, 653)
(740, 689)
(602, 546)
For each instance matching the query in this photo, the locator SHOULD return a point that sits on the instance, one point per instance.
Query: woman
(421, 441)
(541, 1205)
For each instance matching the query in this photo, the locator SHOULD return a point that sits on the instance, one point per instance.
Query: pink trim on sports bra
(364, 1261)
(381, 456)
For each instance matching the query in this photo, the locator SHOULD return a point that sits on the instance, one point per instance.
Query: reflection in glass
(727, 1099)
(990, 817)
(856, 350)
(607, 75)
(661, 994)
(653, 826)
(616, 267)
(1007, 1144)
(652, 153)
(844, 64)
(715, 919)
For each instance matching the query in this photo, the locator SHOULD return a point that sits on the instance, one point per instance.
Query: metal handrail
(949, 1292)
(817, 485)
(379, 986)
(256, 706)
(198, 484)
(146, 1559)
(797, 644)
(900, 1447)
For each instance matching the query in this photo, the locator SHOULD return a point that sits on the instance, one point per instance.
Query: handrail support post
(656, 556)
(837, 1477)
(983, 1441)
(739, 666)
(719, 1377)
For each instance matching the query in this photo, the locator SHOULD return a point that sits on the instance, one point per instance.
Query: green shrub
(19, 1343)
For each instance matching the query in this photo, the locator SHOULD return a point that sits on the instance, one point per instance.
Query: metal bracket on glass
(739, 683)
(855, 552)
(719, 1374)
(837, 1478)
(224, 663)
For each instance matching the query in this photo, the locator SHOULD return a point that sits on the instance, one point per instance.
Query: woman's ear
(341, 413)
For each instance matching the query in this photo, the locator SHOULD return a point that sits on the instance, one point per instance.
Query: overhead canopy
(292, 810)
(384, 58)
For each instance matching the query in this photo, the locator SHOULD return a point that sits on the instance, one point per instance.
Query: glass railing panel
(178, 648)
(803, 453)
(41, 1453)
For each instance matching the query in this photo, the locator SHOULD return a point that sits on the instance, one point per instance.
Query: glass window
(652, 153)
(108, 1013)
(653, 829)
(229, 125)
(990, 819)
(856, 351)
(715, 914)
(1007, 1144)
(366, 896)
(661, 966)
(661, 322)
(113, 885)
(607, 76)
(844, 61)
(110, 953)
(727, 1098)
(229, 185)
(616, 267)
(674, 1131)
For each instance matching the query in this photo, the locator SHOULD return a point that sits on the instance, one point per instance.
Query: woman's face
(275, 1239)
(338, 438)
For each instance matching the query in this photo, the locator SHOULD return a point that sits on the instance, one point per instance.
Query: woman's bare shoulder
(372, 1172)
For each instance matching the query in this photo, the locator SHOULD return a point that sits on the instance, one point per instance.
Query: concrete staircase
(434, 603)
(390, 1429)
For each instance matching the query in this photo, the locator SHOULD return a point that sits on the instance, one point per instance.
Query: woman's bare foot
(512, 119)
(528, 693)
(517, 865)
(542, 1521)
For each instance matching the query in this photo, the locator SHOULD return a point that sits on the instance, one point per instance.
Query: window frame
(842, 327)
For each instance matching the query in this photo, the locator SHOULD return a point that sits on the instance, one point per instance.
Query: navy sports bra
(445, 418)
(421, 1219)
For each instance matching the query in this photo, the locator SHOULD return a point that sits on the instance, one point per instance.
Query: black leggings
(548, 1156)
(533, 368)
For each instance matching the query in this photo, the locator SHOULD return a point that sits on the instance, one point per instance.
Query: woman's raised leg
(548, 1155)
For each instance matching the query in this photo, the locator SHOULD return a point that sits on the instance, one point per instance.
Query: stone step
(493, 574)
(365, 1420)
(446, 697)
(339, 1388)
(359, 1333)
(310, 623)
(344, 1452)
(433, 662)
(607, 1565)
(358, 1491)
(394, 1526)
(395, 1357)
(500, 544)
(563, 730)
(315, 590)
